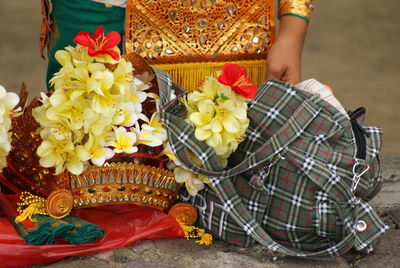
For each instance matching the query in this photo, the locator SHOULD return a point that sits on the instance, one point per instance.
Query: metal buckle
(357, 176)
(256, 182)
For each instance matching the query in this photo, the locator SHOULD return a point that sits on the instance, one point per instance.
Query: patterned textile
(294, 184)
(46, 229)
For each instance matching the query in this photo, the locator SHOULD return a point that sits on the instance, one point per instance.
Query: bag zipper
(359, 133)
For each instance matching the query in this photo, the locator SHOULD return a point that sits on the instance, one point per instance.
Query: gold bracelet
(301, 8)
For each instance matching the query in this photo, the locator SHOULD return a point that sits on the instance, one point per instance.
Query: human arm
(284, 58)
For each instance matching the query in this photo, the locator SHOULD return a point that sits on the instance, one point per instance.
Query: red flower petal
(83, 38)
(112, 39)
(98, 44)
(92, 52)
(114, 54)
(98, 32)
(237, 78)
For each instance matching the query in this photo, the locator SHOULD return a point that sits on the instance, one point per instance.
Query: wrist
(292, 31)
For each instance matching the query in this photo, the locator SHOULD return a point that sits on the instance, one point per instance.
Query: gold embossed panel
(165, 31)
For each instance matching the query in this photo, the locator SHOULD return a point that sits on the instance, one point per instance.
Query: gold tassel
(28, 212)
(29, 206)
(194, 232)
(186, 215)
(191, 75)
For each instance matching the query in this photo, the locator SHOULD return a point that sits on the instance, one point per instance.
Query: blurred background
(353, 46)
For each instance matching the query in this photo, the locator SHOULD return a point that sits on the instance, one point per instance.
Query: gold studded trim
(301, 8)
(120, 183)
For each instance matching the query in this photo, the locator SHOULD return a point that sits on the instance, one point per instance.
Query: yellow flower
(123, 76)
(126, 115)
(55, 153)
(7, 103)
(136, 96)
(100, 80)
(96, 123)
(203, 119)
(124, 141)
(153, 134)
(79, 55)
(193, 182)
(219, 116)
(95, 150)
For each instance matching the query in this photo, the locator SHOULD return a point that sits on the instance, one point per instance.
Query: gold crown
(142, 183)
(118, 183)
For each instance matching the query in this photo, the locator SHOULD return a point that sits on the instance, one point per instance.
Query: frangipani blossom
(193, 182)
(124, 141)
(95, 150)
(7, 104)
(123, 76)
(153, 133)
(126, 115)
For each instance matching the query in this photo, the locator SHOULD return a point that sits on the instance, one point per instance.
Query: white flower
(7, 103)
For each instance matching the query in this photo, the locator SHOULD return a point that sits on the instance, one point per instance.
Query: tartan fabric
(289, 182)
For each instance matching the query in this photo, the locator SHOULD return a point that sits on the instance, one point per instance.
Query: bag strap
(183, 141)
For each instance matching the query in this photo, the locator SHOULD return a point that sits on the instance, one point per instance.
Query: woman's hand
(284, 58)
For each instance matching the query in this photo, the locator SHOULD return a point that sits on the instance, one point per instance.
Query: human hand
(284, 58)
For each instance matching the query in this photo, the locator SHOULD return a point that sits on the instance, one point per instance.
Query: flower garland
(94, 111)
(218, 112)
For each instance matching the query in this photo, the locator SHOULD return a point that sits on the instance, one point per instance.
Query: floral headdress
(95, 112)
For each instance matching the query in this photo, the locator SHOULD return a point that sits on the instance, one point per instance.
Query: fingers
(292, 76)
(274, 71)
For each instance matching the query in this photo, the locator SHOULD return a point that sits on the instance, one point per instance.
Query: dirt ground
(353, 46)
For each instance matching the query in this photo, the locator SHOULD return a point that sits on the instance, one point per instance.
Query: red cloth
(123, 225)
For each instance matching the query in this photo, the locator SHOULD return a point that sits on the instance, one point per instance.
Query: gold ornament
(59, 203)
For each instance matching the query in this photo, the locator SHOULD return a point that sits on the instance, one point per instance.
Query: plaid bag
(297, 184)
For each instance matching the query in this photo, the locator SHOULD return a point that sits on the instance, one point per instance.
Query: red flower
(237, 78)
(99, 44)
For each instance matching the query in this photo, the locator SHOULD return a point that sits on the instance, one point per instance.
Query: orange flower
(237, 78)
(98, 43)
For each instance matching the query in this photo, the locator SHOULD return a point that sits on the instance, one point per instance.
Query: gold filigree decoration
(188, 31)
